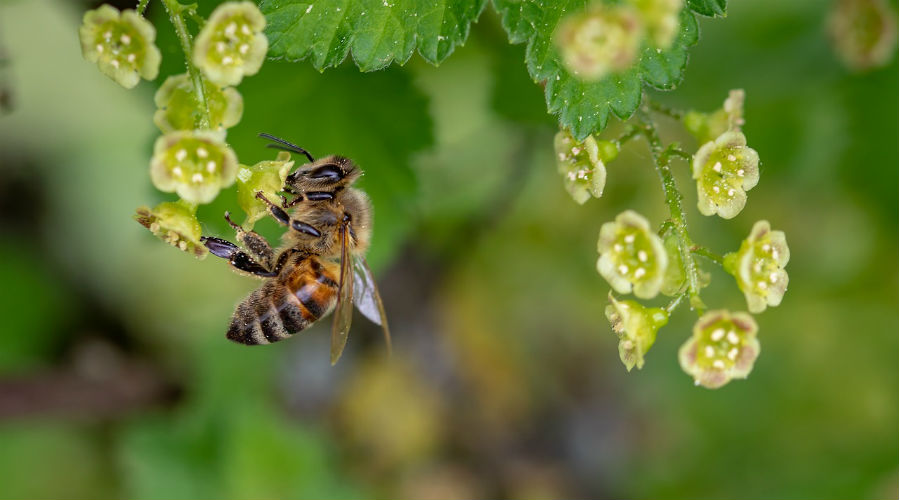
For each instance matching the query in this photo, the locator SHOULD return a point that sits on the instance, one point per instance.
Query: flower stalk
(175, 11)
(661, 161)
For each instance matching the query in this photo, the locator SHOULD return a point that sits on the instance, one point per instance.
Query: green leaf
(581, 106)
(709, 8)
(377, 32)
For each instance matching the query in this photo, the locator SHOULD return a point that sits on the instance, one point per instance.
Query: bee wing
(343, 313)
(366, 297)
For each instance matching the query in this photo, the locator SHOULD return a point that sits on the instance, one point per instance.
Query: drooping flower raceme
(632, 257)
(583, 171)
(267, 177)
(231, 44)
(194, 164)
(723, 347)
(636, 327)
(758, 267)
(178, 109)
(176, 224)
(121, 43)
(602, 40)
(725, 169)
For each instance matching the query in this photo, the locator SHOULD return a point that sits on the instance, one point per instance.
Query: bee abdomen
(268, 315)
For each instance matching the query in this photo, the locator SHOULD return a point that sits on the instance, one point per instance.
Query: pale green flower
(267, 177)
(121, 43)
(632, 256)
(723, 347)
(636, 327)
(178, 109)
(583, 171)
(603, 39)
(176, 224)
(194, 164)
(231, 44)
(758, 267)
(725, 169)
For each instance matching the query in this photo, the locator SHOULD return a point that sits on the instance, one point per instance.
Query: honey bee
(320, 266)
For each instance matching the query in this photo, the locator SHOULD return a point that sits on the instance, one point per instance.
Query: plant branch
(673, 202)
(709, 254)
(675, 302)
(175, 11)
(675, 114)
(141, 7)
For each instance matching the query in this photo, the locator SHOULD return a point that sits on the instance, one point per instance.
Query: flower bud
(723, 347)
(636, 327)
(121, 43)
(584, 173)
(631, 256)
(758, 267)
(708, 126)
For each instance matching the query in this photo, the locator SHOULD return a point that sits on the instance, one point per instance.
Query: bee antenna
(285, 145)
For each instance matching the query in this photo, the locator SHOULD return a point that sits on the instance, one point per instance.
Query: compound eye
(329, 172)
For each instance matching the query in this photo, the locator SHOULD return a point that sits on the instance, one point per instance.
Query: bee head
(324, 174)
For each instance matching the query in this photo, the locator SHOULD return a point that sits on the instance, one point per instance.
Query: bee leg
(281, 216)
(257, 246)
(236, 257)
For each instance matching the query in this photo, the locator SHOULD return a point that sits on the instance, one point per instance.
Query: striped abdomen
(287, 304)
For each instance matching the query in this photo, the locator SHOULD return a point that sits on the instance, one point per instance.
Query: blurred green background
(116, 379)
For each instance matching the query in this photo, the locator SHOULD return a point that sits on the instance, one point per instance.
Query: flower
(725, 169)
(631, 255)
(707, 126)
(723, 347)
(178, 108)
(121, 43)
(660, 19)
(265, 176)
(636, 327)
(862, 33)
(758, 267)
(176, 224)
(231, 44)
(583, 171)
(194, 164)
(602, 40)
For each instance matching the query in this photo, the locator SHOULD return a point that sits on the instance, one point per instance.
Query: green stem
(675, 114)
(175, 10)
(709, 254)
(675, 302)
(629, 134)
(141, 6)
(676, 211)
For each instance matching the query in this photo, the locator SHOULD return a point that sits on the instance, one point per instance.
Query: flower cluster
(723, 347)
(632, 257)
(121, 43)
(758, 267)
(231, 44)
